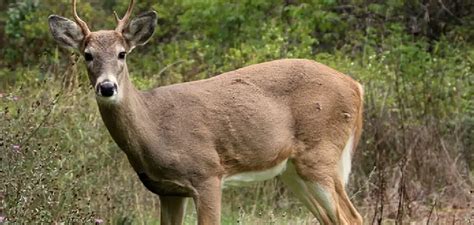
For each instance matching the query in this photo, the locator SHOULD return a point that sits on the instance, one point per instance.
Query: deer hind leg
(319, 186)
(172, 210)
(299, 187)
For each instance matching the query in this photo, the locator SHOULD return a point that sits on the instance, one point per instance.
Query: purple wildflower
(99, 221)
(16, 148)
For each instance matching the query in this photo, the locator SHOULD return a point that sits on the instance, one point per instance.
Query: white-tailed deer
(292, 118)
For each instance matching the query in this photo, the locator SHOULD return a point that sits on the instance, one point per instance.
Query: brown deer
(293, 118)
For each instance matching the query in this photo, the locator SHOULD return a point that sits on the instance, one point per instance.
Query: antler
(121, 23)
(79, 21)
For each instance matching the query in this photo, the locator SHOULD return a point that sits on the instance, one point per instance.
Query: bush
(414, 59)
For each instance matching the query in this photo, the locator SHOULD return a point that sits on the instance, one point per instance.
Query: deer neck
(125, 119)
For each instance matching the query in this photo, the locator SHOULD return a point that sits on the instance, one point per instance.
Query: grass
(414, 164)
(60, 165)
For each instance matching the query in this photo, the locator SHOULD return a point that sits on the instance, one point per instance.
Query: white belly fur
(241, 179)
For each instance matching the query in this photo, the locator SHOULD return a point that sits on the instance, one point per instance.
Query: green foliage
(415, 62)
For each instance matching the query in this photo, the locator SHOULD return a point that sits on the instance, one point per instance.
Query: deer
(295, 119)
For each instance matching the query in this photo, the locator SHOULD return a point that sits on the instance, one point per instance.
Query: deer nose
(107, 88)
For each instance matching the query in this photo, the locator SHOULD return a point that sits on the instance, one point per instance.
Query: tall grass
(60, 164)
(414, 163)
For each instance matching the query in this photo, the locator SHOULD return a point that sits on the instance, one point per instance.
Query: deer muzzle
(106, 88)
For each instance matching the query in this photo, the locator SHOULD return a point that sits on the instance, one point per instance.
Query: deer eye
(121, 55)
(88, 56)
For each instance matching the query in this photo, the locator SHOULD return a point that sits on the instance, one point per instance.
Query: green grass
(59, 164)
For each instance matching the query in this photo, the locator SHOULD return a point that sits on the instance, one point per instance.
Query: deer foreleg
(172, 210)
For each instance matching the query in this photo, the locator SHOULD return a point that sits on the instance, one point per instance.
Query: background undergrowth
(414, 58)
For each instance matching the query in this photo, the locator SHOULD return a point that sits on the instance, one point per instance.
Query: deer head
(105, 51)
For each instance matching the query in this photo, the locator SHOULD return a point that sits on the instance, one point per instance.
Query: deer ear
(140, 29)
(66, 32)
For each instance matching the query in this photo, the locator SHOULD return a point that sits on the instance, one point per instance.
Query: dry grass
(60, 165)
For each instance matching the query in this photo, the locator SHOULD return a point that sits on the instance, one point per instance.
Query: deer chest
(165, 187)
